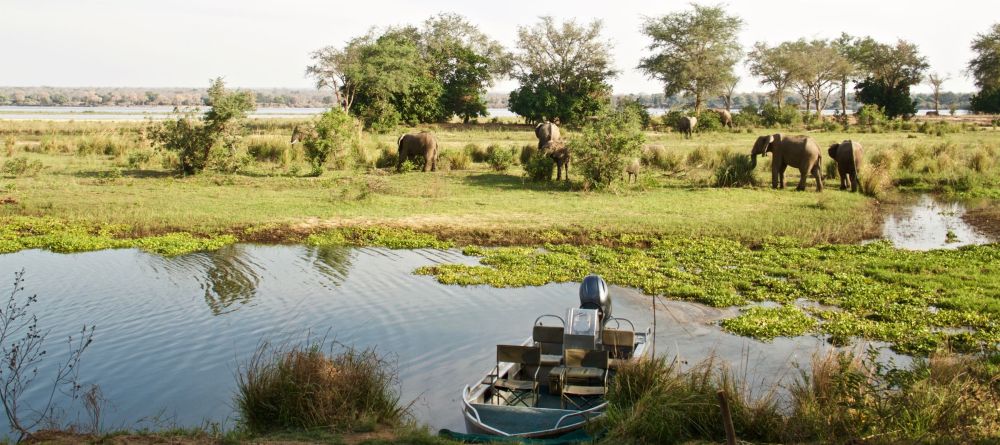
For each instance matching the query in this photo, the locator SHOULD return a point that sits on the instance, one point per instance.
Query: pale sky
(260, 44)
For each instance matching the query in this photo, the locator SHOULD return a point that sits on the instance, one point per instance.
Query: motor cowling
(594, 295)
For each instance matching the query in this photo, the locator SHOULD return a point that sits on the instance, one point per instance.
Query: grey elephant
(687, 125)
(421, 144)
(848, 156)
(546, 132)
(632, 170)
(725, 117)
(559, 152)
(799, 152)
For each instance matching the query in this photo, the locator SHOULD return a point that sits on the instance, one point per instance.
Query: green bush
(21, 167)
(672, 119)
(871, 117)
(527, 151)
(303, 387)
(605, 145)
(772, 117)
(336, 133)
(539, 167)
(734, 170)
(139, 159)
(709, 120)
(454, 160)
(747, 117)
(476, 153)
(659, 157)
(500, 159)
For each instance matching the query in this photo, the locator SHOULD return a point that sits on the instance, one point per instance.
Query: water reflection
(333, 262)
(230, 281)
(930, 224)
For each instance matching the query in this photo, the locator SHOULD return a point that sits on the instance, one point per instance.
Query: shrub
(709, 120)
(139, 159)
(734, 170)
(633, 106)
(671, 119)
(476, 153)
(336, 132)
(606, 145)
(527, 151)
(771, 116)
(388, 156)
(454, 160)
(700, 157)
(500, 159)
(21, 167)
(830, 169)
(303, 387)
(659, 157)
(874, 181)
(539, 167)
(871, 116)
(269, 148)
(747, 117)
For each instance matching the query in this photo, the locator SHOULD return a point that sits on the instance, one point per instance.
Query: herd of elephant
(801, 152)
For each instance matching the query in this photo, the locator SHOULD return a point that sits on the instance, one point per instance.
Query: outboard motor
(594, 295)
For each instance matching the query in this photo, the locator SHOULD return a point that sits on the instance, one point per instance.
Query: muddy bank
(986, 219)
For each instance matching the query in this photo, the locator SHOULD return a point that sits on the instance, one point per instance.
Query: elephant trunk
(753, 161)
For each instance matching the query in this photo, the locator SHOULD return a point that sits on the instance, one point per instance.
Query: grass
(907, 298)
(306, 388)
(843, 399)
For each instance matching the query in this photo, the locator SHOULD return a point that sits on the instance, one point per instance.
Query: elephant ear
(833, 150)
(760, 146)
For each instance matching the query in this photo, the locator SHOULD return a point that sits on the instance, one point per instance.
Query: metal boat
(554, 382)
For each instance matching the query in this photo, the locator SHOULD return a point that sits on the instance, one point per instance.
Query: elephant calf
(687, 125)
(848, 156)
(799, 152)
(421, 144)
(632, 170)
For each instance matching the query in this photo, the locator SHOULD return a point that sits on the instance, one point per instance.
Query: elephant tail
(399, 142)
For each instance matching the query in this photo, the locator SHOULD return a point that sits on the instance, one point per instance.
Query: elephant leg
(566, 166)
(774, 178)
(803, 177)
(427, 164)
(819, 177)
(434, 165)
(854, 182)
(843, 181)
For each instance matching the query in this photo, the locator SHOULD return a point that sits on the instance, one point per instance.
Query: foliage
(735, 170)
(58, 236)
(500, 159)
(606, 145)
(986, 101)
(895, 102)
(476, 153)
(391, 238)
(985, 66)
(661, 158)
(910, 299)
(772, 116)
(569, 87)
(631, 105)
(303, 387)
(335, 133)
(765, 323)
(220, 128)
(694, 51)
(871, 116)
(709, 120)
(455, 159)
(21, 167)
(747, 117)
(539, 167)
(23, 348)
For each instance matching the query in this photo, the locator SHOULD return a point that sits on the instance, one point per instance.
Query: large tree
(985, 69)
(465, 61)
(890, 71)
(774, 66)
(563, 70)
(693, 51)
(936, 80)
(817, 66)
(847, 49)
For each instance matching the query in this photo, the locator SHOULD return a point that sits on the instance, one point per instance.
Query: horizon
(185, 43)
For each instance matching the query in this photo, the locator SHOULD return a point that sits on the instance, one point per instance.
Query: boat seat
(550, 340)
(586, 378)
(551, 360)
(523, 390)
(620, 344)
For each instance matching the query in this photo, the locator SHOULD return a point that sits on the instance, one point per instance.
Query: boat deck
(524, 419)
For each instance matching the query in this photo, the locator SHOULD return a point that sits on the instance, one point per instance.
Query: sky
(266, 44)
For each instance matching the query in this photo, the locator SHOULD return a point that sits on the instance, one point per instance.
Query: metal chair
(550, 340)
(619, 344)
(586, 378)
(517, 389)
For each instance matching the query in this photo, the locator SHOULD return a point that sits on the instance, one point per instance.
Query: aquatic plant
(304, 387)
(903, 297)
(764, 323)
(393, 238)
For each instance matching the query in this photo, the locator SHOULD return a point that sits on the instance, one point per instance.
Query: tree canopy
(985, 69)
(563, 70)
(693, 51)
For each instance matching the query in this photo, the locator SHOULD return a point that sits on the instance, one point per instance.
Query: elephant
(687, 125)
(414, 145)
(797, 151)
(632, 170)
(848, 156)
(932, 114)
(546, 132)
(725, 117)
(559, 152)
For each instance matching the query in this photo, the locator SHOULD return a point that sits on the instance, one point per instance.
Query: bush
(871, 116)
(336, 133)
(659, 157)
(139, 159)
(709, 120)
(606, 145)
(672, 119)
(772, 117)
(633, 106)
(388, 156)
(454, 160)
(747, 117)
(303, 387)
(539, 167)
(700, 157)
(734, 170)
(476, 153)
(500, 159)
(274, 149)
(21, 167)
(980, 161)
(527, 152)
(884, 159)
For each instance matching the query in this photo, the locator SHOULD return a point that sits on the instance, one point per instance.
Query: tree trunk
(843, 97)
(697, 102)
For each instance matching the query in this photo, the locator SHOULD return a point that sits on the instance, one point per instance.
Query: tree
(563, 71)
(936, 80)
(605, 146)
(338, 69)
(889, 71)
(728, 93)
(985, 69)
(465, 61)
(694, 51)
(773, 66)
(817, 66)
(845, 46)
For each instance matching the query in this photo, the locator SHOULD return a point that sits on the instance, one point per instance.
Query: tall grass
(271, 148)
(659, 157)
(844, 398)
(303, 387)
(734, 170)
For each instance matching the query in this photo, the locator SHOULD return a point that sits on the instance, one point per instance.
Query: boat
(554, 382)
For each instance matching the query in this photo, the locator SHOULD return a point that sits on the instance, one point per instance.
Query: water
(926, 223)
(139, 113)
(171, 331)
